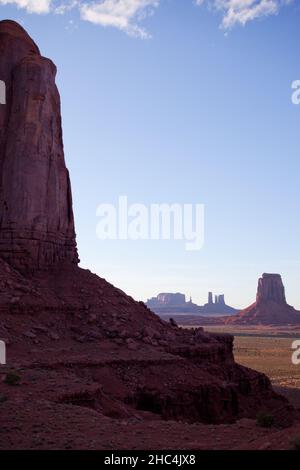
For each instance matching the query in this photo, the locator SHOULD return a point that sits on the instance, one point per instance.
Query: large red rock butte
(36, 218)
(270, 307)
(82, 351)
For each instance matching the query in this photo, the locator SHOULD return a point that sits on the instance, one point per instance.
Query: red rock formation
(270, 307)
(270, 288)
(36, 217)
(75, 341)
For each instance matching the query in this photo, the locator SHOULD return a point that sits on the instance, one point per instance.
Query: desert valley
(89, 367)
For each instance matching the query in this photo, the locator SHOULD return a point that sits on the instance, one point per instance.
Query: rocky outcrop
(270, 288)
(74, 340)
(36, 217)
(217, 307)
(270, 307)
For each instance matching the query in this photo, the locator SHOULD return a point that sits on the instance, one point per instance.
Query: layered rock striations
(270, 307)
(36, 217)
(81, 350)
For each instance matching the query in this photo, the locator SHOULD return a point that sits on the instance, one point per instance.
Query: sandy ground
(269, 350)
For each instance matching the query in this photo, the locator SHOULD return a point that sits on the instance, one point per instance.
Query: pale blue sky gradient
(190, 115)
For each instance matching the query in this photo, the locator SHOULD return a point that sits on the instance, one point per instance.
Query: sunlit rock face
(36, 216)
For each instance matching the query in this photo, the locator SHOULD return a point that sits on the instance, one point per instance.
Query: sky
(187, 102)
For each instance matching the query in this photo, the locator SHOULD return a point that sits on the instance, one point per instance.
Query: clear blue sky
(171, 107)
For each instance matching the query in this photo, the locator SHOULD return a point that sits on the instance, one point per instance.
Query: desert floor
(268, 350)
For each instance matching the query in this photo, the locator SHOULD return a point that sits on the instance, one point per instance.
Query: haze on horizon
(187, 104)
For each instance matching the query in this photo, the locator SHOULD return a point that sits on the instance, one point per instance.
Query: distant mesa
(270, 307)
(218, 306)
(167, 303)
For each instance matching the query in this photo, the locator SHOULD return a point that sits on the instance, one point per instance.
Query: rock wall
(270, 287)
(36, 216)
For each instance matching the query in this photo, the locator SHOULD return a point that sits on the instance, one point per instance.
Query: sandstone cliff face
(75, 340)
(36, 217)
(270, 307)
(270, 288)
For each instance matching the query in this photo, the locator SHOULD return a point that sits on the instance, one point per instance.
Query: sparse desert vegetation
(295, 443)
(265, 420)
